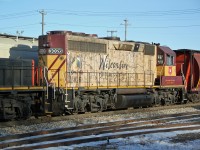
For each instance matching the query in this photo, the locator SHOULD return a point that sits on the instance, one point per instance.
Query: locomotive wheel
(185, 101)
(99, 109)
(18, 113)
(27, 112)
(162, 102)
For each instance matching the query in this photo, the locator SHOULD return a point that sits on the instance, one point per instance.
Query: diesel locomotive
(78, 73)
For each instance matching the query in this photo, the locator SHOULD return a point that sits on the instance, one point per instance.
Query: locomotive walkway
(102, 131)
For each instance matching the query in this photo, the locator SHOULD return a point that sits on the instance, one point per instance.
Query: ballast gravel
(19, 129)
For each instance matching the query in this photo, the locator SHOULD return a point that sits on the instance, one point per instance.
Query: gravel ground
(182, 138)
(18, 129)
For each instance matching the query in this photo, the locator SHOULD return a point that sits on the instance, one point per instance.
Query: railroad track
(102, 131)
(89, 115)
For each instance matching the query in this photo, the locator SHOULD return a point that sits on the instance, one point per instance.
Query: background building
(16, 47)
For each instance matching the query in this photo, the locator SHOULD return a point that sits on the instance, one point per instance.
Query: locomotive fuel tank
(133, 97)
(137, 100)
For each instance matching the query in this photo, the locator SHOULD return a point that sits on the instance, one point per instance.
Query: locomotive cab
(166, 67)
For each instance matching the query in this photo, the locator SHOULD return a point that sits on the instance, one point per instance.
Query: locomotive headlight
(46, 45)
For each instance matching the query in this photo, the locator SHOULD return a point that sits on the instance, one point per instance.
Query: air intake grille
(87, 46)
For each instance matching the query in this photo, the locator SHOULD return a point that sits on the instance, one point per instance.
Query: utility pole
(42, 13)
(125, 25)
(111, 32)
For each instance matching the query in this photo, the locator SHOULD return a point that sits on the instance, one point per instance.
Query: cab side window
(160, 59)
(170, 60)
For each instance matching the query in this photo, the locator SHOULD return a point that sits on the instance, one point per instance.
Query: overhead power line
(17, 26)
(176, 26)
(17, 15)
(107, 14)
(91, 13)
(117, 14)
(93, 26)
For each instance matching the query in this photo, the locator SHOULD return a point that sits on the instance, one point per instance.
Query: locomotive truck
(78, 73)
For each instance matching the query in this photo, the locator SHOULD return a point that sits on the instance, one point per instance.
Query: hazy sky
(175, 23)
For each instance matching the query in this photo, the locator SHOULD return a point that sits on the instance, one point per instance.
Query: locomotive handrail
(161, 72)
(46, 80)
(130, 79)
(184, 79)
(54, 89)
(65, 79)
(50, 82)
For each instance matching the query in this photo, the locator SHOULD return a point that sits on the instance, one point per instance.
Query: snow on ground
(156, 141)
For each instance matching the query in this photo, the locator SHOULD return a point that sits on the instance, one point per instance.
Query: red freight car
(188, 65)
